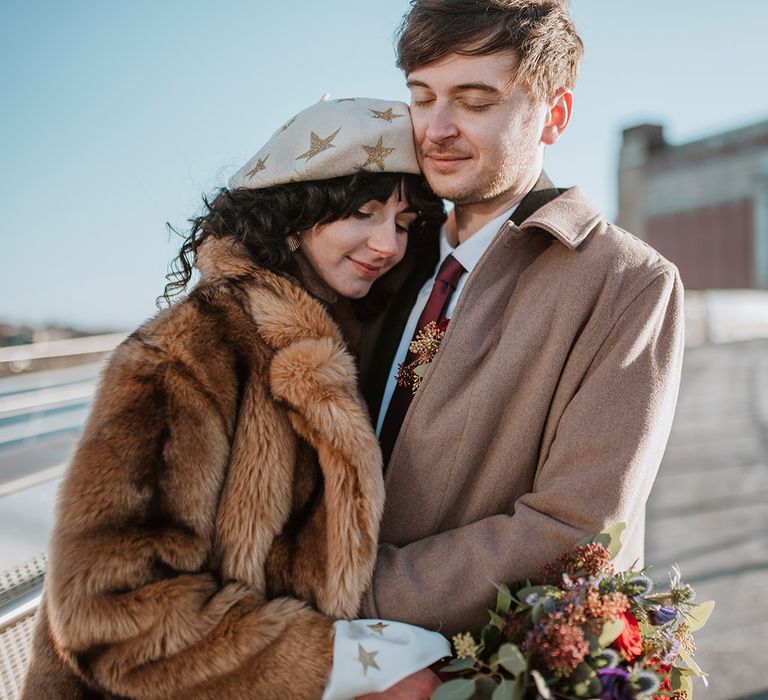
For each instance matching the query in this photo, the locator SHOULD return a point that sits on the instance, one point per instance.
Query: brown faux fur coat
(222, 506)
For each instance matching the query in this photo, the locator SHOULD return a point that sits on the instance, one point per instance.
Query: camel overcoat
(542, 419)
(222, 506)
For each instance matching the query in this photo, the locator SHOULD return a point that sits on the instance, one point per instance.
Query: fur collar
(284, 310)
(312, 373)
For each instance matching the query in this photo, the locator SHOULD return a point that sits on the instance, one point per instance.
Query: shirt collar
(470, 251)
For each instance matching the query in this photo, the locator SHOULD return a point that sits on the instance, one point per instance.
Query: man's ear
(558, 116)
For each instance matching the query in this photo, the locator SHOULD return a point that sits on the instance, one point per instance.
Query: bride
(218, 523)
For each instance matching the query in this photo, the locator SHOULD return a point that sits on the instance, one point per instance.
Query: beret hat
(333, 138)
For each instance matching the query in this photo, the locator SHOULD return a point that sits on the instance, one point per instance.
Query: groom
(544, 415)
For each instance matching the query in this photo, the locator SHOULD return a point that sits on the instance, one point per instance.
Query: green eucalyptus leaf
(541, 591)
(680, 680)
(646, 628)
(541, 685)
(687, 659)
(485, 686)
(490, 638)
(421, 370)
(497, 620)
(685, 671)
(581, 690)
(697, 616)
(582, 673)
(537, 613)
(459, 665)
(521, 686)
(459, 689)
(594, 687)
(503, 599)
(505, 691)
(512, 659)
(583, 681)
(611, 631)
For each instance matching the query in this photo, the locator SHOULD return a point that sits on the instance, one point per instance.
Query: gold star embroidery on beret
(377, 154)
(287, 124)
(386, 116)
(366, 659)
(258, 167)
(318, 145)
(378, 628)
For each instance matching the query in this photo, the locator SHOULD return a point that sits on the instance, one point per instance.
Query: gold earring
(293, 241)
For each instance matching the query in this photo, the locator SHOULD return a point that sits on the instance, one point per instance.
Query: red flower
(443, 324)
(630, 642)
(665, 680)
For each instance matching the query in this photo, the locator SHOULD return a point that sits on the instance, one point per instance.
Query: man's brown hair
(539, 32)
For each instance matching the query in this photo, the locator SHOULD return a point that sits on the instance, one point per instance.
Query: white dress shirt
(468, 254)
(396, 648)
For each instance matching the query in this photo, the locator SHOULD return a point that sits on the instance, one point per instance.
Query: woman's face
(350, 254)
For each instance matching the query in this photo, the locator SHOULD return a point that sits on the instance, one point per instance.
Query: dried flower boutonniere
(424, 347)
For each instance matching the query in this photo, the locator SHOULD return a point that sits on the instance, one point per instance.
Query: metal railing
(21, 590)
(47, 403)
(35, 407)
(23, 605)
(20, 357)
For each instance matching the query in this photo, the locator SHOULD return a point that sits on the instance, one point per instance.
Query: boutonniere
(424, 346)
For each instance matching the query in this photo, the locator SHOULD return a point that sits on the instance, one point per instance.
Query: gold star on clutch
(387, 116)
(366, 659)
(287, 124)
(258, 167)
(377, 154)
(318, 145)
(378, 628)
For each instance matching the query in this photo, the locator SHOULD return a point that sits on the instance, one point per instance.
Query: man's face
(478, 137)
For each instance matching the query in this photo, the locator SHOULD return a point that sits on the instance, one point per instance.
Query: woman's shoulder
(207, 327)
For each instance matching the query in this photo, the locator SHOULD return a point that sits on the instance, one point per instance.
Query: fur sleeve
(137, 604)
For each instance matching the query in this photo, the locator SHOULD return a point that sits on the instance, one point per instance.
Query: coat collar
(565, 214)
(284, 311)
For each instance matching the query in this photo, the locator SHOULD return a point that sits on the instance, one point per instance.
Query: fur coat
(222, 506)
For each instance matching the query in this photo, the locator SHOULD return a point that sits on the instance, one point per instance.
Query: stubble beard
(512, 169)
(496, 184)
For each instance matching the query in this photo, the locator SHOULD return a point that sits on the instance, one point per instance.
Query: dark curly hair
(261, 218)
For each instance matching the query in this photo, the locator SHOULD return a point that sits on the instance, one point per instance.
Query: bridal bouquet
(584, 631)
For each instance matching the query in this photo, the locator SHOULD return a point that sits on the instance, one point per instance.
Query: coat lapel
(382, 336)
(542, 193)
(471, 335)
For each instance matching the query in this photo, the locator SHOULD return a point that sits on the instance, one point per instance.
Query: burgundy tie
(445, 285)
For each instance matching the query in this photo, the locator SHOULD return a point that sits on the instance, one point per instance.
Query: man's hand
(418, 686)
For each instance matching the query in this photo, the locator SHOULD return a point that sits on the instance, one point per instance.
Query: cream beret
(334, 138)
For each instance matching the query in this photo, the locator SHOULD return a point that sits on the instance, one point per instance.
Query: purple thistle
(671, 654)
(670, 644)
(615, 684)
(663, 615)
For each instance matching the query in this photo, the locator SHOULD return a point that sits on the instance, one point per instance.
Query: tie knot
(450, 271)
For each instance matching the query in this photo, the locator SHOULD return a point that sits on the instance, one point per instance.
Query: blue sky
(116, 117)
